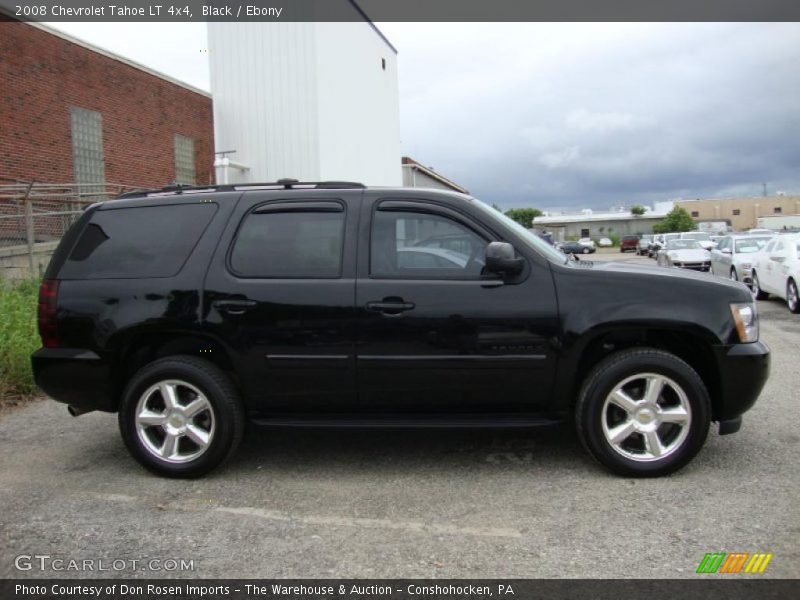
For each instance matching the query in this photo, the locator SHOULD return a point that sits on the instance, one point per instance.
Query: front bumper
(743, 369)
(694, 266)
(74, 376)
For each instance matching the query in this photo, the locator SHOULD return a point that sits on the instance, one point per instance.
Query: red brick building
(70, 112)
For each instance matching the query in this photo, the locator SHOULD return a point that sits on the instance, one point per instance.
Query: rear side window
(286, 242)
(131, 243)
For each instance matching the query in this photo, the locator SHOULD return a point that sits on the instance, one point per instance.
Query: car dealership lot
(408, 503)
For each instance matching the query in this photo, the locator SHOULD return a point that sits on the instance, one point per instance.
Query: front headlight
(746, 318)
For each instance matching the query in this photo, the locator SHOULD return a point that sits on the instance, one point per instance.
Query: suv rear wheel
(643, 412)
(181, 416)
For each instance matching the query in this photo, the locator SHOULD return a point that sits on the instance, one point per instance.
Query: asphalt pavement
(403, 503)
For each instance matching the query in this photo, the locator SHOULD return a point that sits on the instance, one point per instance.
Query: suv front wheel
(643, 412)
(181, 416)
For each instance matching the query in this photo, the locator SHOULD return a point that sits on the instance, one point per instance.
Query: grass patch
(18, 336)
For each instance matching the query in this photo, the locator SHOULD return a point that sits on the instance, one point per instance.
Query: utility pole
(765, 189)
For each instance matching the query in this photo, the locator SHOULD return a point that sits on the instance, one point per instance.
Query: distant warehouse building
(741, 213)
(596, 224)
(74, 113)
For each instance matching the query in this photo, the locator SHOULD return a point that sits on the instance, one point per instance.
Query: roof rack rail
(286, 183)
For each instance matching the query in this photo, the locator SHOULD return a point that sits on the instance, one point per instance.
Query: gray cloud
(594, 114)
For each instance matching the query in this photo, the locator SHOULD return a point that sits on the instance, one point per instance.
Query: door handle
(234, 307)
(390, 308)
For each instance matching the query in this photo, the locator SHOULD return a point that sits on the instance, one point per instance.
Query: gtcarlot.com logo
(45, 562)
(735, 562)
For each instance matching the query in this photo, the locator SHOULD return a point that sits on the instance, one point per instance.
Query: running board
(406, 421)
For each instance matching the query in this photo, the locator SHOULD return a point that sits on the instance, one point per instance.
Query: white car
(586, 242)
(701, 237)
(605, 243)
(685, 254)
(776, 270)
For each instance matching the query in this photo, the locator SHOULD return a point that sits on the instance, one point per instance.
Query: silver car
(733, 256)
(684, 254)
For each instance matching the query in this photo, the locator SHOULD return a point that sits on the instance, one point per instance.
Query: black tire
(756, 288)
(734, 274)
(792, 299)
(225, 406)
(615, 369)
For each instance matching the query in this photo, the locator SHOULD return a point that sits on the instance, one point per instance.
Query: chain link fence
(34, 217)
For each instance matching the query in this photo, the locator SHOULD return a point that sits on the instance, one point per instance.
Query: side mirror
(501, 258)
(726, 250)
(778, 257)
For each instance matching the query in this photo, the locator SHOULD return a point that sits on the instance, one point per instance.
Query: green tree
(678, 219)
(524, 216)
(638, 210)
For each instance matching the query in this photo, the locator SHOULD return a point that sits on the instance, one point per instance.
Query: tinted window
(290, 244)
(409, 245)
(125, 243)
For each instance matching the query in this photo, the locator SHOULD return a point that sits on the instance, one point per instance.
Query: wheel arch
(691, 344)
(142, 348)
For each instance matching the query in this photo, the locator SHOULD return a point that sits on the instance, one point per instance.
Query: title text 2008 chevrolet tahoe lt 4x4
(191, 310)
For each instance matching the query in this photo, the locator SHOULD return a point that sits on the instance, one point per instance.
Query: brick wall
(42, 76)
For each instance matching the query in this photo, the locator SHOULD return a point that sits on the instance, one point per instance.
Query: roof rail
(286, 184)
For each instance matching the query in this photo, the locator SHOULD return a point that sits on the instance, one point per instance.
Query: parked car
(629, 242)
(576, 248)
(191, 311)
(605, 242)
(643, 247)
(659, 242)
(587, 242)
(733, 256)
(776, 270)
(684, 254)
(700, 237)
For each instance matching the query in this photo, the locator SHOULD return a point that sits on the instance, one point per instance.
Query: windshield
(682, 245)
(533, 240)
(750, 245)
(696, 235)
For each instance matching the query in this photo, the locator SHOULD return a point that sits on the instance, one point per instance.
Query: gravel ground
(407, 504)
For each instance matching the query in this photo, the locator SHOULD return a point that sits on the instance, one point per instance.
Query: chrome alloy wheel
(174, 421)
(791, 296)
(646, 417)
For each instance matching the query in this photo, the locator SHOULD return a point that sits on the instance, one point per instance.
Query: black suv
(190, 311)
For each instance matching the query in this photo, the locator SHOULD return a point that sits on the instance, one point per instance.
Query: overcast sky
(570, 115)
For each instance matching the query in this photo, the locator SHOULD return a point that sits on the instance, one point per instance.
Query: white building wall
(359, 111)
(306, 100)
(263, 85)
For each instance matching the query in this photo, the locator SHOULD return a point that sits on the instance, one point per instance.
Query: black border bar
(705, 587)
(403, 10)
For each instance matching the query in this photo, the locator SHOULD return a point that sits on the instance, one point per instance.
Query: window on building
(695, 214)
(285, 240)
(777, 210)
(184, 160)
(585, 233)
(736, 212)
(88, 160)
